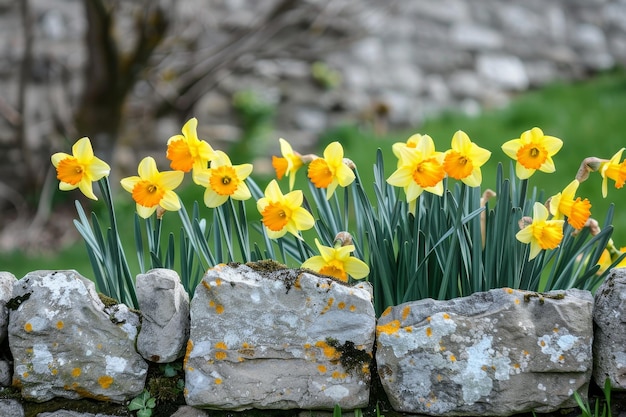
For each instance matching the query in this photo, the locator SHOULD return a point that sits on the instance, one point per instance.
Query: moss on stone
(351, 358)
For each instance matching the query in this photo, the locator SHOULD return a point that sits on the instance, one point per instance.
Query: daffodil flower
(566, 204)
(187, 152)
(419, 169)
(223, 180)
(464, 160)
(330, 171)
(288, 164)
(152, 189)
(283, 213)
(533, 151)
(614, 170)
(337, 262)
(411, 142)
(541, 233)
(80, 169)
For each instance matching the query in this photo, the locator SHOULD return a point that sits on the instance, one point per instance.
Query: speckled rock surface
(164, 305)
(64, 344)
(609, 343)
(499, 352)
(6, 290)
(278, 339)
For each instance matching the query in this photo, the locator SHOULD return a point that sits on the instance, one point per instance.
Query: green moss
(15, 302)
(352, 359)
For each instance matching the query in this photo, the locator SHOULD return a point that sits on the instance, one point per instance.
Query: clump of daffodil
(282, 214)
(152, 189)
(615, 170)
(288, 164)
(420, 169)
(464, 160)
(336, 261)
(533, 151)
(541, 233)
(565, 204)
(223, 180)
(331, 170)
(80, 169)
(187, 152)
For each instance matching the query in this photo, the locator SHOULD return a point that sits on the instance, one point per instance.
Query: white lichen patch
(115, 364)
(62, 288)
(41, 359)
(556, 344)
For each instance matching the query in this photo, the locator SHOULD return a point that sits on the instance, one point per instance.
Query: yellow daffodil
(80, 169)
(187, 152)
(606, 260)
(541, 233)
(283, 213)
(337, 262)
(223, 180)
(532, 151)
(566, 204)
(152, 188)
(419, 169)
(288, 164)
(411, 142)
(330, 171)
(464, 160)
(614, 170)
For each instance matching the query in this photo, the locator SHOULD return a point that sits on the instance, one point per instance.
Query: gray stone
(6, 373)
(499, 352)
(609, 343)
(164, 304)
(67, 413)
(506, 71)
(11, 408)
(471, 36)
(64, 344)
(263, 336)
(6, 290)
(187, 411)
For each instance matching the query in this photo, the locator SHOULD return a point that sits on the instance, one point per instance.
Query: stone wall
(265, 337)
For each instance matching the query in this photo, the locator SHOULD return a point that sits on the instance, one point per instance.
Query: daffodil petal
(548, 166)
(213, 199)
(356, 268)
(272, 191)
(522, 172)
(333, 153)
(171, 179)
(86, 188)
(145, 212)
(58, 157)
(243, 171)
(525, 235)
(345, 176)
(190, 128)
(147, 168)
(294, 198)
(170, 201)
(400, 177)
(315, 263)
(66, 186)
(535, 250)
(99, 169)
(242, 192)
(474, 179)
(82, 150)
(129, 183)
(540, 212)
(302, 219)
(552, 144)
(511, 147)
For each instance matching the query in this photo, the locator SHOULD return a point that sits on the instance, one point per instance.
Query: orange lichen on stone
(218, 381)
(321, 369)
(329, 351)
(555, 330)
(221, 345)
(99, 346)
(517, 301)
(446, 316)
(28, 327)
(60, 325)
(452, 358)
(218, 281)
(408, 329)
(390, 328)
(76, 372)
(439, 377)
(386, 312)
(339, 375)
(220, 355)
(219, 309)
(429, 332)
(307, 346)
(561, 358)
(525, 353)
(206, 285)
(341, 305)
(428, 319)
(25, 375)
(516, 365)
(365, 369)
(352, 308)
(187, 352)
(329, 304)
(296, 283)
(405, 312)
(542, 343)
(509, 290)
(211, 303)
(105, 381)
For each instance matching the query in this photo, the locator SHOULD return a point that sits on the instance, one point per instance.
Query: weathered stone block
(499, 352)
(64, 343)
(609, 343)
(278, 338)
(164, 304)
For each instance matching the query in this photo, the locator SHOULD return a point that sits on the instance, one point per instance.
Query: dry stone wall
(263, 336)
(402, 60)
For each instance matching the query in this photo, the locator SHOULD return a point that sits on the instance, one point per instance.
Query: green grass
(588, 116)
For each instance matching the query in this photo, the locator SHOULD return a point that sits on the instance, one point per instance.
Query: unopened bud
(525, 221)
(591, 164)
(348, 162)
(160, 211)
(342, 239)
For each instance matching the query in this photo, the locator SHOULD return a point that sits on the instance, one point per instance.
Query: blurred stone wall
(393, 62)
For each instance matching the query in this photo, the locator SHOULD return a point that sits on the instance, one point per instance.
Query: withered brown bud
(342, 239)
(591, 164)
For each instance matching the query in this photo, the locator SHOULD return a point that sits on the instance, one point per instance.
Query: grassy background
(589, 117)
